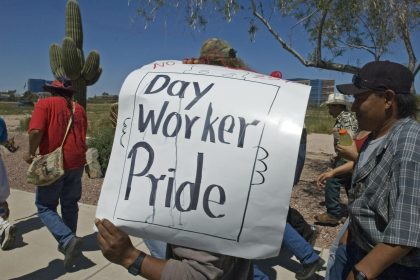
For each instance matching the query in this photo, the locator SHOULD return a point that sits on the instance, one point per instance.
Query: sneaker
(327, 219)
(310, 269)
(71, 252)
(8, 236)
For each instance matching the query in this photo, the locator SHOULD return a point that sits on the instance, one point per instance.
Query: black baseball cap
(380, 76)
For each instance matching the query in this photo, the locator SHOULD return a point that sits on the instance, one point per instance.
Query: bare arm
(116, 246)
(347, 152)
(379, 258)
(342, 169)
(35, 137)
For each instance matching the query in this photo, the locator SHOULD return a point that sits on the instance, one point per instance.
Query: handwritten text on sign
(204, 157)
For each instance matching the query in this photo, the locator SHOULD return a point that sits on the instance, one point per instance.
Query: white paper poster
(204, 157)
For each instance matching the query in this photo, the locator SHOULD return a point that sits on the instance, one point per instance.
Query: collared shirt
(384, 200)
(348, 121)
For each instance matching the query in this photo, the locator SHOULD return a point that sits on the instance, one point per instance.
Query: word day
(208, 127)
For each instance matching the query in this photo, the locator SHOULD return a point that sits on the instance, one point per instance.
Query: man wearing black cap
(383, 240)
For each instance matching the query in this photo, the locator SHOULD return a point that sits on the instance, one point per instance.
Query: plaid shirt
(384, 200)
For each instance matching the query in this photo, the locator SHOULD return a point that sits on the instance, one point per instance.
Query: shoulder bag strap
(69, 125)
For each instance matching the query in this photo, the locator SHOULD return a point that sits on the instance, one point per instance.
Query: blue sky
(28, 28)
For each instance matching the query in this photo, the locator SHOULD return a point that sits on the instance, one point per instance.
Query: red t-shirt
(360, 142)
(51, 115)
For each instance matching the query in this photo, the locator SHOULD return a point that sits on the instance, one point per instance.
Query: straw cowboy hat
(337, 99)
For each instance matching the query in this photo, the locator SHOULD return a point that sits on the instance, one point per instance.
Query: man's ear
(389, 97)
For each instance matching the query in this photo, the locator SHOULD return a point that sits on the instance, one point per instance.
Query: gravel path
(306, 196)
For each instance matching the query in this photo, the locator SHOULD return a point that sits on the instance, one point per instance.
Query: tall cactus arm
(94, 78)
(71, 60)
(81, 56)
(68, 61)
(74, 28)
(56, 61)
(91, 66)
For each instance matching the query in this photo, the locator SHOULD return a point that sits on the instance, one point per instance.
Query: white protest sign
(204, 157)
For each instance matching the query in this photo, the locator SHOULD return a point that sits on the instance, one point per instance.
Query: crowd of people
(379, 170)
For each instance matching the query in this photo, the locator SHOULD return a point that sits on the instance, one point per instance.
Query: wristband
(359, 275)
(135, 267)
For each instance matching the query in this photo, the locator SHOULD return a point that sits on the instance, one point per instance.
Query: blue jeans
(339, 267)
(157, 248)
(347, 256)
(66, 191)
(259, 274)
(332, 191)
(333, 250)
(295, 243)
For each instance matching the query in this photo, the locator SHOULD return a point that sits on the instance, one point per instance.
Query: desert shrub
(11, 108)
(24, 123)
(317, 120)
(100, 132)
(101, 137)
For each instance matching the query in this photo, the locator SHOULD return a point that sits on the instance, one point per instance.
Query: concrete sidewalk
(35, 256)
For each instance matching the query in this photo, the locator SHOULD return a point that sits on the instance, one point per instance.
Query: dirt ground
(306, 196)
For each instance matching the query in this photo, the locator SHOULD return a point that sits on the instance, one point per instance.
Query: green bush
(24, 123)
(317, 120)
(101, 138)
(12, 108)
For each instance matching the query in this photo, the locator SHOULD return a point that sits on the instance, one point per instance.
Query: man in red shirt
(47, 130)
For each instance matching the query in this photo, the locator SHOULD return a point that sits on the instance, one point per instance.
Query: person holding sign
(183, 262)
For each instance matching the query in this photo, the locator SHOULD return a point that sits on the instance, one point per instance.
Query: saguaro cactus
(68, 61)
